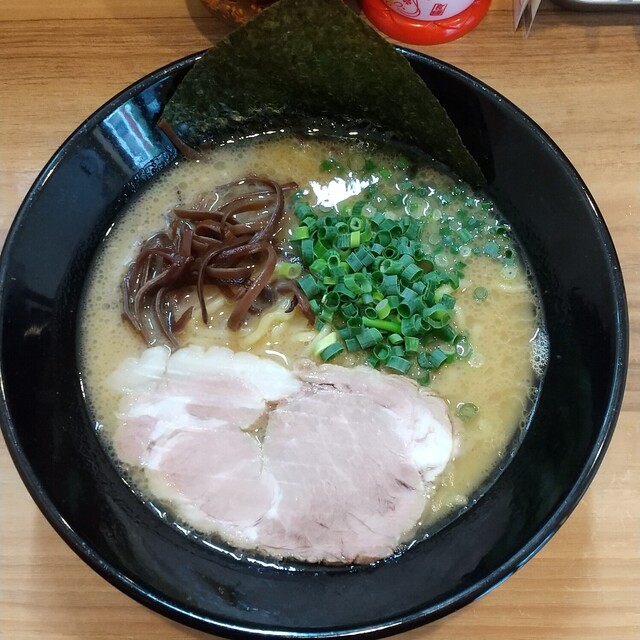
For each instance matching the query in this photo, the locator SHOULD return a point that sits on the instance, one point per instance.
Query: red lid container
(425, 21)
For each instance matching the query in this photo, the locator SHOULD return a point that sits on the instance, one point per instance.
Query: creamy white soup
(487, 386)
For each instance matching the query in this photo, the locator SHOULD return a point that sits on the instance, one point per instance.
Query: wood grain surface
(577, 75)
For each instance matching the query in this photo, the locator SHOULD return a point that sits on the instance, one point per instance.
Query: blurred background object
(237, 11)
(241, 11)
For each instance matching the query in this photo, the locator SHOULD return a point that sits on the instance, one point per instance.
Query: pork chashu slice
(319, 463)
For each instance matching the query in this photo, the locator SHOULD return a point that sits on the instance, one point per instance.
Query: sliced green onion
(449, 351)
(355, 324)
(319, 267)
(447, 333)
(357, 208)
(300, 233)
(358, 283)
(411, 273)
(290, 270)
(315, 306)
(370, 313)
(333, 259)
(480, 294)
(351, 345)
(437, 358)
(397, 363)
(381, 352)
(394, 301)
(331, 165)
(365, 256)
(437, 316)
(343, 241)
(326, 234)
(405, 258)
(389, 285)
(392, 226)
(390, 251)
(464, 236)
(345, 332)
(383, 238)
(411, 344)
(369, 337)
(491, 249)
(321, 344)
(354, 262)
(390, 266)
(343, 290)
(384, 325)
(326, 314)
(448, 301)
(466, 410)
(441, 291)
(310, 286)
(348, 310)
(320, 249)
(410, 307)
(383, 308)
(307, 252)
(331, 351)
(411, 326)
(332, 300)
(302, 210)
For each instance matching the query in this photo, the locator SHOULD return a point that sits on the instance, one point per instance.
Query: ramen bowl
(51, 436)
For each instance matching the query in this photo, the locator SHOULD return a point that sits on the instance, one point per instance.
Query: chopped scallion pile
(382, 269)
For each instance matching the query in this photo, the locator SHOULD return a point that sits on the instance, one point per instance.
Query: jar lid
(425, 21)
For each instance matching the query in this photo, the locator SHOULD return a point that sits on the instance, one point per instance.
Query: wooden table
(577, 75)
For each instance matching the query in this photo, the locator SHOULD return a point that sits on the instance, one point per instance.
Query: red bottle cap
(425, 21)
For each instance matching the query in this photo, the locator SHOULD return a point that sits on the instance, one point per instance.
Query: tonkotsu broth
(504, 330)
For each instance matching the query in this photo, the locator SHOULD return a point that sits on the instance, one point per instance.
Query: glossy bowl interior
(50, 435)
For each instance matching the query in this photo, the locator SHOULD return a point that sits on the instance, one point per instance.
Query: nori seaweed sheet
(312, 58)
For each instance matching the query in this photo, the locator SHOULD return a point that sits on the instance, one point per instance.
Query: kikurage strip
(226, 239)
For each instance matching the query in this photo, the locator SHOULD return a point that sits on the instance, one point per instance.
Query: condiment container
(425, 21)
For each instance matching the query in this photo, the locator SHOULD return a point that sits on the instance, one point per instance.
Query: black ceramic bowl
(51, 438)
